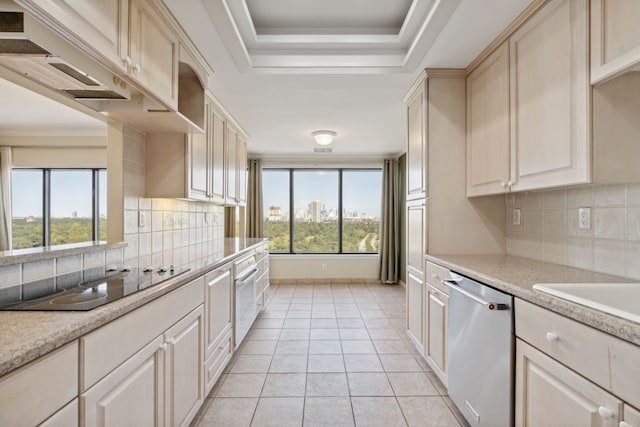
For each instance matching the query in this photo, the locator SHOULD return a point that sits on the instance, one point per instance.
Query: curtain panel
(390, 227)
(254, 199)
(5, 198)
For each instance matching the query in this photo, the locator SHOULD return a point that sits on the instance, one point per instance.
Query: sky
(70, 191)
(361, 189)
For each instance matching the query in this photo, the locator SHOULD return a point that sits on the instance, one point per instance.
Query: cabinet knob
(552, 337)
(126, 60)
(164, 347)
(605, 413)
(503, 184)
(623, 424)
(136, 68)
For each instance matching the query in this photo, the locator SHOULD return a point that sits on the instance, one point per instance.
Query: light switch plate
(516, 217)
(584, 218)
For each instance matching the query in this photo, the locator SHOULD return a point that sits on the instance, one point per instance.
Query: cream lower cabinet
(43, 391)
(160, 385)
(263, 283)
(218, 323)
(615, 37)
(549, 394)
(436, 305)
(415, 310)
(416, 249)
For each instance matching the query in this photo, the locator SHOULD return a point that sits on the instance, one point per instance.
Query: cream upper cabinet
(102, 25)
(488, 139)
(242, 170)
(416, 143)
(198, 168)
(615, 37)
(216, 129)
(550, 98)
(231, 166)
(153, 53)
(549, 394)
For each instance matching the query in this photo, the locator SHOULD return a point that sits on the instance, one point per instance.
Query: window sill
(18, 256)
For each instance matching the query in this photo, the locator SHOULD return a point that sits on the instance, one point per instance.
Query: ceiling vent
(322, 150)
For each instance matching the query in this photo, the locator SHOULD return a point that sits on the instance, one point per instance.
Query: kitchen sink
(619, 299)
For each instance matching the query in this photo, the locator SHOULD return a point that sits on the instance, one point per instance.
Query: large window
(58, 206)
(322, 210)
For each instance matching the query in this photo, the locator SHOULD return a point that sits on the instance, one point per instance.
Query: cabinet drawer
(39, 389)
(630, 417)
(582, 348)
(625, 371)
(216, 362)
(65, 417)
(435, 275)
(107, 347)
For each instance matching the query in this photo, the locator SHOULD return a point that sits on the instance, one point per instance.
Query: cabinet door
(415, 310)
(549, 394)
(615, 37)
(231, 165)
(416, 235)
(488, 145)
(216, 132)
(131, 395)
(217, 303)
(436, 331)
(631, 417)
(102, 25)
(154, 53)
(184, 369)
(198, 166)
(416, 143)
(550, 98)
(242, 170)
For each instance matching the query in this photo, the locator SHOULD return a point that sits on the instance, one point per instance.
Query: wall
(337, 266)
(164, 231)
(549, 228)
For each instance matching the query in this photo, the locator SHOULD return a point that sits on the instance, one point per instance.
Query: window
(58, 206)
(322, 210)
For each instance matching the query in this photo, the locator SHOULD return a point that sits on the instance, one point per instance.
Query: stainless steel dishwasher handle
(490, 305)
(246, 277)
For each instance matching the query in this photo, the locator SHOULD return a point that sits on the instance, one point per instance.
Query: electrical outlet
(324, 267)
(584, 218)
(516, 217)
(142, 219)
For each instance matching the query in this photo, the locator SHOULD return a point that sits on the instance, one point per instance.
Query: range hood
(31, 49)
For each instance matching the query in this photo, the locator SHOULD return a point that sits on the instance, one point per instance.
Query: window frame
(46, 201)
(340, 223)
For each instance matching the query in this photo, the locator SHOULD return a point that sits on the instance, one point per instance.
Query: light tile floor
(329, 355)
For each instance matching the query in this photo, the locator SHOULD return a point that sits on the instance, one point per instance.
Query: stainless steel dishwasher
(480, 352)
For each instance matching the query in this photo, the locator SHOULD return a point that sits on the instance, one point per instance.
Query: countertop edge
(93, 319)
(613, 325)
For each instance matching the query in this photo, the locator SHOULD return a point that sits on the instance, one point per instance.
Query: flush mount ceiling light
(324, 137)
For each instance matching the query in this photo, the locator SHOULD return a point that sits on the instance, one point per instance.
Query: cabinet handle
(552, 337)
(126, 60)
(605, 413)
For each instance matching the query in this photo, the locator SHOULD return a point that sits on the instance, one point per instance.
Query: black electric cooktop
(86, 290)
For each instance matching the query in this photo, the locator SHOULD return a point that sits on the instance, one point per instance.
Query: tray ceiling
(353, 36)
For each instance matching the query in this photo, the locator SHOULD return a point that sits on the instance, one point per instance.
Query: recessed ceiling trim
(359, 48)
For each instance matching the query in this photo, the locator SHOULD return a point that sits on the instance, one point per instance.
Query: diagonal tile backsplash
(549, 228)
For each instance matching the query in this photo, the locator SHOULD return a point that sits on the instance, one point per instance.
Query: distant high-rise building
(74, 214)
(275, 213)
(315, 207)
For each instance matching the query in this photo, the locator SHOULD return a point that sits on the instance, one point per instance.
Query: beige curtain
(390, 228)
(5, 198)
(254, 199)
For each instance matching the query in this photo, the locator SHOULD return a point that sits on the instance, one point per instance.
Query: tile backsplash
(165, 231)
(549, 228)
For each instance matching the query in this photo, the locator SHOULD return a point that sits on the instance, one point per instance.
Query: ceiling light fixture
(324, 137)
